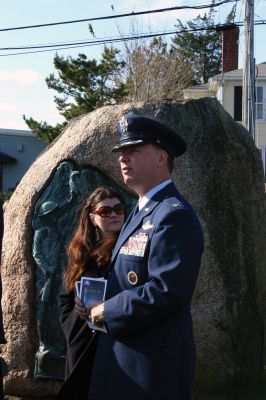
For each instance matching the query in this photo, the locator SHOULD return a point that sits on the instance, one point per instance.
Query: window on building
(238, 103)
(259, 102)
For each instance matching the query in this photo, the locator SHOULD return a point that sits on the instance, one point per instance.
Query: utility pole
(248, 99)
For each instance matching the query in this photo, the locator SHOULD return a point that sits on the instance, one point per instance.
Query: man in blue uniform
(149, 353)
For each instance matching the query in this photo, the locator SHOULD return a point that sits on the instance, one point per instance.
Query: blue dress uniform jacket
(149, 353)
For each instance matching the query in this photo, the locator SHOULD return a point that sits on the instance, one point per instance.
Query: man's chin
(127, 179)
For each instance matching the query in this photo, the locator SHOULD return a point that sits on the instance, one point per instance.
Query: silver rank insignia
(123, 124)
(179, 204)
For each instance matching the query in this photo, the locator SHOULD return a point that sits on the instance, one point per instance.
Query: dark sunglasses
(106, 211)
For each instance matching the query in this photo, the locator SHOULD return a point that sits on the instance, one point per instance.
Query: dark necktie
(132, 215)
(135, 211)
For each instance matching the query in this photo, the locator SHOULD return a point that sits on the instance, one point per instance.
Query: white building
(18, 149)
(227, 88)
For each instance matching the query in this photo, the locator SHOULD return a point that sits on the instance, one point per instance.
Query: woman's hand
(80, 309)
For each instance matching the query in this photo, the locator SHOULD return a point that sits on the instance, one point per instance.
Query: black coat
(81, 343)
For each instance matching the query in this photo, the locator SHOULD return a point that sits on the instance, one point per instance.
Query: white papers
(91, 291)
(77, 284)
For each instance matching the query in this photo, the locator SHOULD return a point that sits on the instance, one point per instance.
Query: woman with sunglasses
(89, 252)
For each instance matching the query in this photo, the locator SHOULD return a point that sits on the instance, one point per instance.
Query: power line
(83, 43)
(132, 14)
(95, 41)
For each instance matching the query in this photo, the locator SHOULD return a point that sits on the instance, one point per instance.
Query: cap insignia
(123, 124)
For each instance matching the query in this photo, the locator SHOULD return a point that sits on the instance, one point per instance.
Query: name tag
(135, 246)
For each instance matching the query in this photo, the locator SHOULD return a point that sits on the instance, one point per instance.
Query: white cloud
(11, 124)
(7, 107)
(25, 77)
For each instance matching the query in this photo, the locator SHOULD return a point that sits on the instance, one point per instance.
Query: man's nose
(123, 157)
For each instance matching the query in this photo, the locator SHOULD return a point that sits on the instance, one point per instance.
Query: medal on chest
(132, 278)
(136, 245)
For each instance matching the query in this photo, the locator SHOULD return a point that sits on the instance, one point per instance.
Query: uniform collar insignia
(178, 204)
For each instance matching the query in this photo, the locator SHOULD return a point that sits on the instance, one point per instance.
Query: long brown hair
(85, 252)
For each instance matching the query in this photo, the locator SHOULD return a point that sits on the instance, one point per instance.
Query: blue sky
(22, 77)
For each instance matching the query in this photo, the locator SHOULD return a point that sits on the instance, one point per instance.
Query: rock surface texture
(221, 176)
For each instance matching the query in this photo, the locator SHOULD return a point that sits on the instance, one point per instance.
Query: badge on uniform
(132, 278)
(135, 246)
(147, 225)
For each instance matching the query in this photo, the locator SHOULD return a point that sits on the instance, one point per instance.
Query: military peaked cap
(134, 130)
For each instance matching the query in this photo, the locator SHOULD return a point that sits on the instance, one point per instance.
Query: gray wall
(22, 145)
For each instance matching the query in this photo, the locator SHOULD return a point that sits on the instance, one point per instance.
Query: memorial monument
(222, 177)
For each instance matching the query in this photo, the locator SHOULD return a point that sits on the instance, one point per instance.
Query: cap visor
(128, 143)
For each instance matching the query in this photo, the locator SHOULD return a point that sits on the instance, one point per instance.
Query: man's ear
(163, 157)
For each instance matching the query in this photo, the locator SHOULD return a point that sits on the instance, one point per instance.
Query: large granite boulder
(221, 175)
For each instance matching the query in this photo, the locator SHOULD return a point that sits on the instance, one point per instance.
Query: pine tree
(202, 49)
(200, 44)
(143, 72)
(83, 85)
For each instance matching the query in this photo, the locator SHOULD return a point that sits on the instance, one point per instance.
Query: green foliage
(202, 49)
(147, 72)
(83, 85)
(44, 131)
(5, 196)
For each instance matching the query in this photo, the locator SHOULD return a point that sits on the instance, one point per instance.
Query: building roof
(260, 73)
(237, 74)
(17, 132)
(202, 86)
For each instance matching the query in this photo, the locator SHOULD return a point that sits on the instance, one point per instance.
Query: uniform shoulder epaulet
(175, 203)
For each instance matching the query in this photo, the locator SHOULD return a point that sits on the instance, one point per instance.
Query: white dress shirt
(147, 196)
